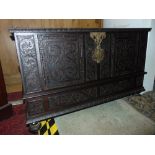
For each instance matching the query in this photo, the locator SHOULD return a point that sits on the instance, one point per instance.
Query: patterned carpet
(144, 103)
(15, 125)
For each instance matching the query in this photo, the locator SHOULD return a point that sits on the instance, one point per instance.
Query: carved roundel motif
(26, 44)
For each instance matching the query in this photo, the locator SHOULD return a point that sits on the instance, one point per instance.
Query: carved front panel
(28, 60)
(72, 98)
(91, 66)
(117, 87)
(61, 59)
(124, 48)
(35, 107)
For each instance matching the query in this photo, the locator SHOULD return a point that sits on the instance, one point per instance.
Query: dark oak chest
(64, 70)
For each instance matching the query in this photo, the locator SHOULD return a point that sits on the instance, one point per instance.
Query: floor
(113, 118)
(15, 125)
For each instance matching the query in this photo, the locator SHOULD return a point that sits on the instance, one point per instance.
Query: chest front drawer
(72, 98)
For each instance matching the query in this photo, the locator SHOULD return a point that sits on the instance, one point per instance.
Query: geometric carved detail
(35, 107)
(28, 58)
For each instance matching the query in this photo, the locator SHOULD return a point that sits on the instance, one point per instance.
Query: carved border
(26, 50)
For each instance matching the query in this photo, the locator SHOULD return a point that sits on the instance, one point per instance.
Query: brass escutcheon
(98, 53)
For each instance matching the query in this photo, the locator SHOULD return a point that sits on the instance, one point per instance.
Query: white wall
(150, 55)
(127, 23)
